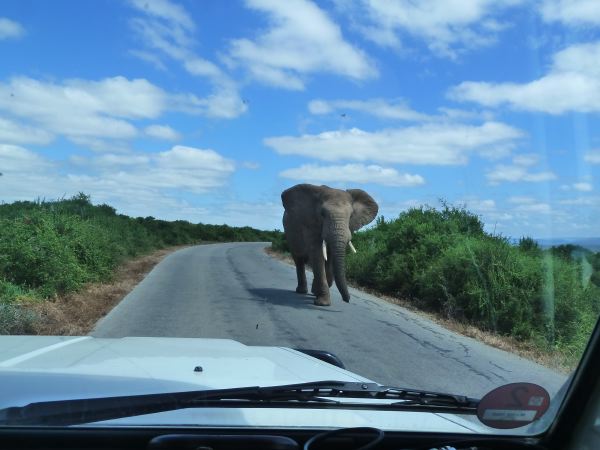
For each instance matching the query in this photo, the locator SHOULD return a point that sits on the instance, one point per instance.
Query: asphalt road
(237, 291)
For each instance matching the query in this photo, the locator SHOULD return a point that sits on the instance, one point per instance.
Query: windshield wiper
(321, 395)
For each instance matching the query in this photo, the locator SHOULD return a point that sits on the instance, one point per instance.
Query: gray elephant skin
(318, 223)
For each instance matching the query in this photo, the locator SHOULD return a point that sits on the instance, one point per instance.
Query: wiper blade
(316, 395)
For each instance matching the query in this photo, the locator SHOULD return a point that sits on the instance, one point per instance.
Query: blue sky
(207, 110)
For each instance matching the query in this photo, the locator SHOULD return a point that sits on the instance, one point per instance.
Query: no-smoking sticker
(513, 405)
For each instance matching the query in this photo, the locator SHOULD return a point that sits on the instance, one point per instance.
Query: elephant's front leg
(301, 275)
(319, 286)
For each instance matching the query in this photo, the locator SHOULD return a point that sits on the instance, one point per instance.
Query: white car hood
(43, 368)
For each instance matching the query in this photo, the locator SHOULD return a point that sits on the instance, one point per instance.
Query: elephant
(318, 222)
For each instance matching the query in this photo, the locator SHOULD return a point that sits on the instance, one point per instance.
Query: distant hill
(592, 243)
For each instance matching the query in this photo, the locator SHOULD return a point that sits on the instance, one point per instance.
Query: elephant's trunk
(339, 267)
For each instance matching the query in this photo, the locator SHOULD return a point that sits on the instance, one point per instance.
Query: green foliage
(569, 251)
(444, 261)
(399, 252)
(529, 245)
(279, 243)
(10, 292)
(486, 281)
(52, 247)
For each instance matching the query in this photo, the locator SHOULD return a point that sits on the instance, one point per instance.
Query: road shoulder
(522, 349)
(76, 314)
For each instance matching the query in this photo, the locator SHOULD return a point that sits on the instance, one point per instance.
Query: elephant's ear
(365, 209)
(301, 194)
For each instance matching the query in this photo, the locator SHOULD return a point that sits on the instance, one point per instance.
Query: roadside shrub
(443, 260)
(279, 243)
(529, 245)
(34, 256)
(361, 266)
(49, 248)
(400, 251)
(10, 292)
(488, 282)
(575, 305)
(16, 320)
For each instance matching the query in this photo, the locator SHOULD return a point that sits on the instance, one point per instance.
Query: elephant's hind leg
(301, 275)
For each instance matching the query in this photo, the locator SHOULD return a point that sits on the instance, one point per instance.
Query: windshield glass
(191, 192)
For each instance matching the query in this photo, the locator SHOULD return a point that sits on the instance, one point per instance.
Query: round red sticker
(513, 405)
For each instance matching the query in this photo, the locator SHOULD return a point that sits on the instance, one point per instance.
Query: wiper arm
(319, 394)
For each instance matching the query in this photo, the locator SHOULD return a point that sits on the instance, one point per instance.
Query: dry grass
(553, 360)
(76, 314)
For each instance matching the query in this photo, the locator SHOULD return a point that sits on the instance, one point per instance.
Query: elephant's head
(331, 215)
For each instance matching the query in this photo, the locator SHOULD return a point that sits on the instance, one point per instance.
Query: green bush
(488, 282)
(33, 255)
(10, 292)
(49, 248)
(279, 244)
(400, 252)
(444, 261)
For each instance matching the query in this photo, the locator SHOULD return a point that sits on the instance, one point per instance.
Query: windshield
(194, 194)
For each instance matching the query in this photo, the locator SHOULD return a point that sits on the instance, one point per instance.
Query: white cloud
(118, 179)
(517, 172)
(521, 200)
(352, 173)
(572, 84)
(167, 29)
(16, 159)
(251, 165)
(9, 29)
(101, 145)
(149, 57)
(526, 159)
(537, 208)
(581, 201)
(20, 134)
(571, 12)
(447, 27)
(396, 109)
(162, 132)
(138, 184)
(593, 157)
(301, 39)
(94, 114)
(465, 115)
(435, 144)
(78, 108)
(479, 205)
(111, 160)
(583, 187)
(164, 9)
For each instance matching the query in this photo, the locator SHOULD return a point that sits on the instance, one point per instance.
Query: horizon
(552, 241)
(206, 113)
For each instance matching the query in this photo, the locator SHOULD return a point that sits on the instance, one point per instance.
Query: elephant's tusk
(325, 250)
(351, 247)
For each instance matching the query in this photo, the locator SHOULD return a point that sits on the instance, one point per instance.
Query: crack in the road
(466, 349)
(500, 367)
(444, 353)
